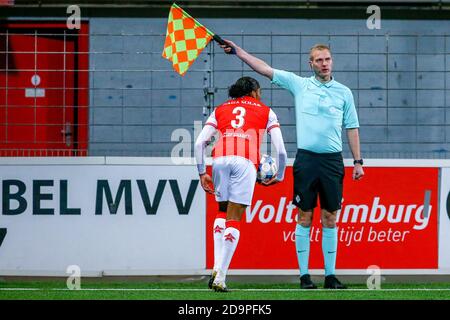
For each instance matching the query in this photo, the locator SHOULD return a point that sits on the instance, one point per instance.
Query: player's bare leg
(302, 244)
(329, 249)
(218, 231)
(230, 241)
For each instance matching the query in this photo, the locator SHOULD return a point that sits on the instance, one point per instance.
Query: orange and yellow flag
(185, 39)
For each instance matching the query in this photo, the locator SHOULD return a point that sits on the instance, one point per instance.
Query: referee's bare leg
(328, 218)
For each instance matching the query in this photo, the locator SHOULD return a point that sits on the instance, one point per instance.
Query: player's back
(242, 123)
(242, 114)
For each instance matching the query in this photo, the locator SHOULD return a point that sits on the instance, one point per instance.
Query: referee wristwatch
(360, 161)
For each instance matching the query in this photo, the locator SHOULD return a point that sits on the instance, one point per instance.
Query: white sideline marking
(206, 290)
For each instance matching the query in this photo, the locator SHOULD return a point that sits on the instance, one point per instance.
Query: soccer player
(322, 107)
(241, 123)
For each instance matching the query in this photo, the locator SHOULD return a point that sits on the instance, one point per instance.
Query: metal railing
(115, 91)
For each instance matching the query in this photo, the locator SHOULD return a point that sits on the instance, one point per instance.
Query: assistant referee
(322, 107)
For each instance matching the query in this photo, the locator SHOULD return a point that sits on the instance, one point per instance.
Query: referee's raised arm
(253, 62)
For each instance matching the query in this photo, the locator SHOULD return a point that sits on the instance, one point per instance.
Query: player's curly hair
(243, 87)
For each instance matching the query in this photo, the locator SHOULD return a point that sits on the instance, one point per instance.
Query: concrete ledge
(18, 161)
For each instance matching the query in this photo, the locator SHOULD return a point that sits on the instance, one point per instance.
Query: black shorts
(318, 174)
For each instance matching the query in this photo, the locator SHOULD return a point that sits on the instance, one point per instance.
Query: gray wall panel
(430, 134)
(401, 62)
(137, 116)
(371, 98)
(399, 76)
(427, 116)
(372, 116)
(406, 134)
(431, 98)
(136, 134)
(402, 116)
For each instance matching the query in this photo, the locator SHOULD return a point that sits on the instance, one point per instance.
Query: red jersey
(241, 123)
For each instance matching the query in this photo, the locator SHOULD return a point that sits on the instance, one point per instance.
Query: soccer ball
(267, 168)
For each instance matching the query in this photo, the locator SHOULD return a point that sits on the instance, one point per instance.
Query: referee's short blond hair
(320, 47)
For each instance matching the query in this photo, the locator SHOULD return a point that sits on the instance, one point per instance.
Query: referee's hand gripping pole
(225, 45)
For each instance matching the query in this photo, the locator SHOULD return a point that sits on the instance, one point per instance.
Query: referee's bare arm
(353, 141)
(256, 64)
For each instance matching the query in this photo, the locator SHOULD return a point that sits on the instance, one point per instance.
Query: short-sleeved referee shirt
(321, 109)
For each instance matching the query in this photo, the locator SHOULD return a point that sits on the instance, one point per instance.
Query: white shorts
(234, 179)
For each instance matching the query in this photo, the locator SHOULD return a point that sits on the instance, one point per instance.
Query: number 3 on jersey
(239, 121)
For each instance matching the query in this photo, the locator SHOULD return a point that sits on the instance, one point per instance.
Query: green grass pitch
(57, 290)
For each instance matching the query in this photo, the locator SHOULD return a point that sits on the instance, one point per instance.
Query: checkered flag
(185, 39)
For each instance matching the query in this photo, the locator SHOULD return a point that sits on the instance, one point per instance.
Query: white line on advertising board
(164, 161)
(208, 290)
